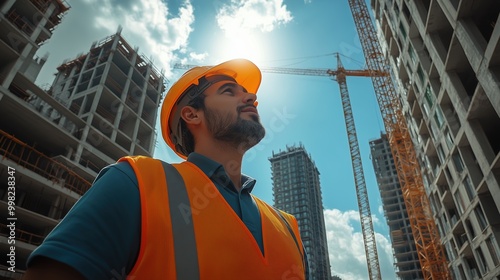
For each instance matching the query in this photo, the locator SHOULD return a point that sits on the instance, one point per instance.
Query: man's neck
(229, 157)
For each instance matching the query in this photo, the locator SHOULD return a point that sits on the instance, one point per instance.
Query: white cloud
(346, 247)
(148, 23)
(241, 16)
(198, 56)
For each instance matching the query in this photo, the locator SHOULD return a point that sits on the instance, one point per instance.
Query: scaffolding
(28, 157)
(22, 235)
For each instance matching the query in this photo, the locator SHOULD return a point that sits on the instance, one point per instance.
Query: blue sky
(294, 109)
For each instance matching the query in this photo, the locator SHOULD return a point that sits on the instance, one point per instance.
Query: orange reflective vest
(189, 231)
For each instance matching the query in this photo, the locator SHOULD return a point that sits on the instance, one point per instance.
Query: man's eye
(228, 91)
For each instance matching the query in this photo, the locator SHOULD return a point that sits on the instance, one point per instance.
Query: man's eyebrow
(232, 85)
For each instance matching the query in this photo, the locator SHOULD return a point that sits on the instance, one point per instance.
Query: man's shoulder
(117, 170)
(137, 158)
(139, 163)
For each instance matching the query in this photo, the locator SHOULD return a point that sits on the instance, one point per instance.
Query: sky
(294, 109)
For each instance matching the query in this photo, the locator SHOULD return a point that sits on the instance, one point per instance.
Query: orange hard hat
(243, 71)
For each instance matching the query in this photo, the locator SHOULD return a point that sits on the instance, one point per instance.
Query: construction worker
(146, 219)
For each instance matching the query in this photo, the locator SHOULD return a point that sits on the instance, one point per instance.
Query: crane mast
(430, 251)
(365, 215)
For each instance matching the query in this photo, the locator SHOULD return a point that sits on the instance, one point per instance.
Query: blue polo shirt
(100, 235)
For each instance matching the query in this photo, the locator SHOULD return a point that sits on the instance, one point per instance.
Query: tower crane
(365, 215)
(429, 248)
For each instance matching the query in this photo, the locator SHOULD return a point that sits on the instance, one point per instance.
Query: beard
(242, 134)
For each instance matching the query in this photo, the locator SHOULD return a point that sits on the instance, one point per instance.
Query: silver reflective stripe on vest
(186, 256)
(292, 233)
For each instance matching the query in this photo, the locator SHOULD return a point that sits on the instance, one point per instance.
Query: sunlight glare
(242, 45)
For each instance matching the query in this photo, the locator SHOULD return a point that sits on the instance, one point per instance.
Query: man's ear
(190, 115)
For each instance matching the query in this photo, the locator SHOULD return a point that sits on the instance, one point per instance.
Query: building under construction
(407, 265)
(101, 106)
(297, 190)
(445, 56)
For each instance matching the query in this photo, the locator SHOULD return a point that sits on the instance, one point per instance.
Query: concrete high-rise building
(115, 92)
(403, 245)
(445, 57)
(297, 190)
(101, 106)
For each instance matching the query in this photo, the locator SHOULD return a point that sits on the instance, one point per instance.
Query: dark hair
(187, 137)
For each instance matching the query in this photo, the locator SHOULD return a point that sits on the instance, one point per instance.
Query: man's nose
(250, 98)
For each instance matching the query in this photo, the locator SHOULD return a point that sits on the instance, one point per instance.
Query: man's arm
(45, 268)
(100, 235)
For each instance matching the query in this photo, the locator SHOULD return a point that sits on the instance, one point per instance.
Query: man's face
(231, 116)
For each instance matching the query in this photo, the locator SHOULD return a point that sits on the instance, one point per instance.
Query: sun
(242, 45)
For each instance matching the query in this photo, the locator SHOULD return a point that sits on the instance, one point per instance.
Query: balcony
(33, 160)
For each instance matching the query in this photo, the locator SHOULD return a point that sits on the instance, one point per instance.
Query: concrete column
(152, 139)
(79, 150)
(6, 6)
(457, 94)
(471, 165)
(493, 43)
(494, 188)
(472, 42)
(138, 99)
(54, 208)
(40, 21)
(480, 145)
(448, 9)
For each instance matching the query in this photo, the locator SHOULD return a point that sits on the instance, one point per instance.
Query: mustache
(241, 108)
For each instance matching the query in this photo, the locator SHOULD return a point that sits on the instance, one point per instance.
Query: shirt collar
(215, 170)
(207, 165)
(247, 183)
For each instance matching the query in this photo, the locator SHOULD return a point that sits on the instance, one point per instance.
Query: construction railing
(26, 156)
(19, 92)
(42, 5)
(20, 22)
(21, 235)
